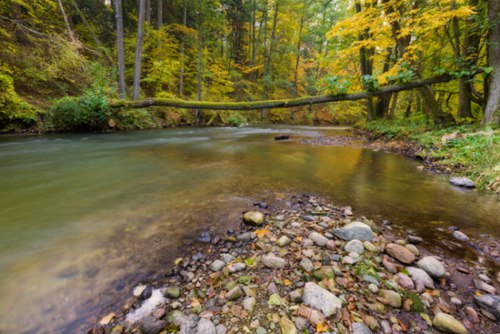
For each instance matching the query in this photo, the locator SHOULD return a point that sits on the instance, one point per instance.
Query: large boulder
(321, 299)
(432, 266)
(354, 230)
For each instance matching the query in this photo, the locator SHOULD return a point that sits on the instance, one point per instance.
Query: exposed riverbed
(86, 217)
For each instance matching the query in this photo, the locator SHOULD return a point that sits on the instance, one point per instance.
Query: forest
(72, 65)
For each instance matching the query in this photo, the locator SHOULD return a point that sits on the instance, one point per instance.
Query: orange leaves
(262, 233)
(321, 327)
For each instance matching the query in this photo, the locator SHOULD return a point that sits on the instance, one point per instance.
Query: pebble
(460, 236)
(217, 265)
(359, 328)
(400, 253)
(432, 266)
(355, 246)
(321, 299)
(318, 239)
(283, 241)
(354, 230)
(448, 324)
(254, 218)
(306, 264)
(272, 261)
(393, 298)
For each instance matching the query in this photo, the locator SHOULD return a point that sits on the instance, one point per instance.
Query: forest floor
(305, 265)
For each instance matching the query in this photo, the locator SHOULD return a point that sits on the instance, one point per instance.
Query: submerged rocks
(321, 299)
(448, 324)
(355, 230)
(432, 266)
(462, 182)
(490, 303)
(400, 253)
(254, 218)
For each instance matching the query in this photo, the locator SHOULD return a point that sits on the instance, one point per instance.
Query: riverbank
(309, 266)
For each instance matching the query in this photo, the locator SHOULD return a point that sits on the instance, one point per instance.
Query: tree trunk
(267, 71)
(120, 48)
(138, 49)
(183, 46)
(297, 60)
(159, 18)
(148, 11)
(492, 111)
(66, 21)
(198, 65)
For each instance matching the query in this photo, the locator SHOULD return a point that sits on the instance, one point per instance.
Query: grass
(473, 151)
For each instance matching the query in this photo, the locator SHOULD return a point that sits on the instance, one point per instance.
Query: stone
(234, 293)
(414, 239)
(448, 324)
(482, 285)
(359, 328)
(321, 299)
(249, 303)
(254, 218)
(413, 249)
(318, 239)
(371, 247)
(173, 293)
(354, 230)
(306, 264)
(272, 261)
(400, 253)
(354, 246)
(421, 278)
(490, 303)
(405, 281)
(295, 296)
(373, 288)
(432, 266)
(275, 299)
(324, 273)
(393, 298)
(217, 265)
(151, 325)
(462, 182)
(236, 267)
(460, 236)
(283, 241)
(227, 257)
(313, 316)
(246, 236)
(196, 325)
(287, 326)
(138, 290)
(107, 319)
(220, 329)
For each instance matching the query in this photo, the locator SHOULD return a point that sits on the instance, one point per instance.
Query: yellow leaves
(262, 233)
(287, 282)
(178, 261)
(477, 293)
(321, 328)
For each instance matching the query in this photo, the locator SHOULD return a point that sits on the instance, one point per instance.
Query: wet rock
(400, 253)
(460, 236)
(432, 266)
(287, 326)
(414, 239)
(448, 324)
(481, 285)
(355, 230)
(359, 328)
(272, 261)
(354, 246)
(321, 299)
(254, 218)
(204, 237)
(283, 241)
(462, 182)
(138, 290)
(151, 325)
(173, 293)
(421, 278)
(393, 298)
(490, 303)
(318, 239)
(217, 265)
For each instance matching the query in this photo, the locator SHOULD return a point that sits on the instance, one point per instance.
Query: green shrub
(136, 119)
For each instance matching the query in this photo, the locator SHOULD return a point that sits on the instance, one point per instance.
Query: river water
(83, 218)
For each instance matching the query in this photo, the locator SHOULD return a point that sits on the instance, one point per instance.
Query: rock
(371, 247)
(321, 299)
(313, 316)
(227, 257)
(287, 326)
(275, 299)
(354, 230)
(249, 303)
(236, 267)
(324, 273)
(220, 329)
(448, 324)
(413, 249)
(393, 298)
(234, 293)
(217, 265)
(421, 278)
(295, 296)
(306, 264)
(204, 237)
(414, 239)
(405, 281)
(462, 182)
(138, 290)
(173, 293)
(490, 303)
(272, 261)
(400, 253)
(106, 320)
(254, 218)
(460, 236)
(151, 325)
(481, 285)
(373, 287)
(283, 241)
(196, 325)
(318, 239)
(352, 258)
(354, 246)
(359, 328)
(432, 266)
(247, 236)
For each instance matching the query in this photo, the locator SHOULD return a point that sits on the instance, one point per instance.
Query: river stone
(249, 303)
(371, 247)
(324, 273)
(432, 266)
(151, 325)
(236, 267)
(196, 325)
(254, 218)
(490, 303)
(460, 236)
(307, 264)
(234, 293)
(321, 299)
(481, 285)
(354, 246)
(217, 265)
(173, 293)
(413, 249)
(359, 328)
(246, 236)
(462, 182)
(318, 239)
(393, 298)
(448, 324)
(421, 278)
(400, 253)
(283, 241)
(405, 281)
(354, 230)
(272, 261)
(287, 326)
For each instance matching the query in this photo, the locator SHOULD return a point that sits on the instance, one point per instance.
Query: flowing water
(83, 218)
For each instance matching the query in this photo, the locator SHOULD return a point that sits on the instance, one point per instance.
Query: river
(84, 218)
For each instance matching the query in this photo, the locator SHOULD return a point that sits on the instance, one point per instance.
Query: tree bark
(159, 18)
(120, 48)
(66, 21)
(148, 11)
(492, 111)
(267, 69)
(183, 47)
(198, 65)
(138, 49)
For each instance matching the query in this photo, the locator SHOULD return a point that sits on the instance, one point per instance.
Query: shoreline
(234, 285)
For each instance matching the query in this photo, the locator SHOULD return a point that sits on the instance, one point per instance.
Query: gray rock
(462, 182)
(318, 239)
(448, 324)
(359, 328)
(354, 230)
(421, 278)
(236, 267)
(220, 329)
(249, 303)
(196, 325)
(481, 285)
(227, 257)
(490, 303)
(307, 264)
(393, 298)
(272, 261)
(432, 266)
(151, 325)
(254, 218)
(405, 281)
(370, 279)
(283, 241)
(321, 299)
(460, 236)
(217, 265)
(354, 246)
(247, 236)
(234, 293)
(260, 330)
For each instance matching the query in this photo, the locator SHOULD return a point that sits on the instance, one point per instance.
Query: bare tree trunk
(183, 46)
(66, 21)
(268, 74)
(159, 18)
(200, 46)
(120, 48)
(148, 11)
(492, 111)
(138, 49)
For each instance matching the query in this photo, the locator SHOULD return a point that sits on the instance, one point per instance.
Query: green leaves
(337, 85)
